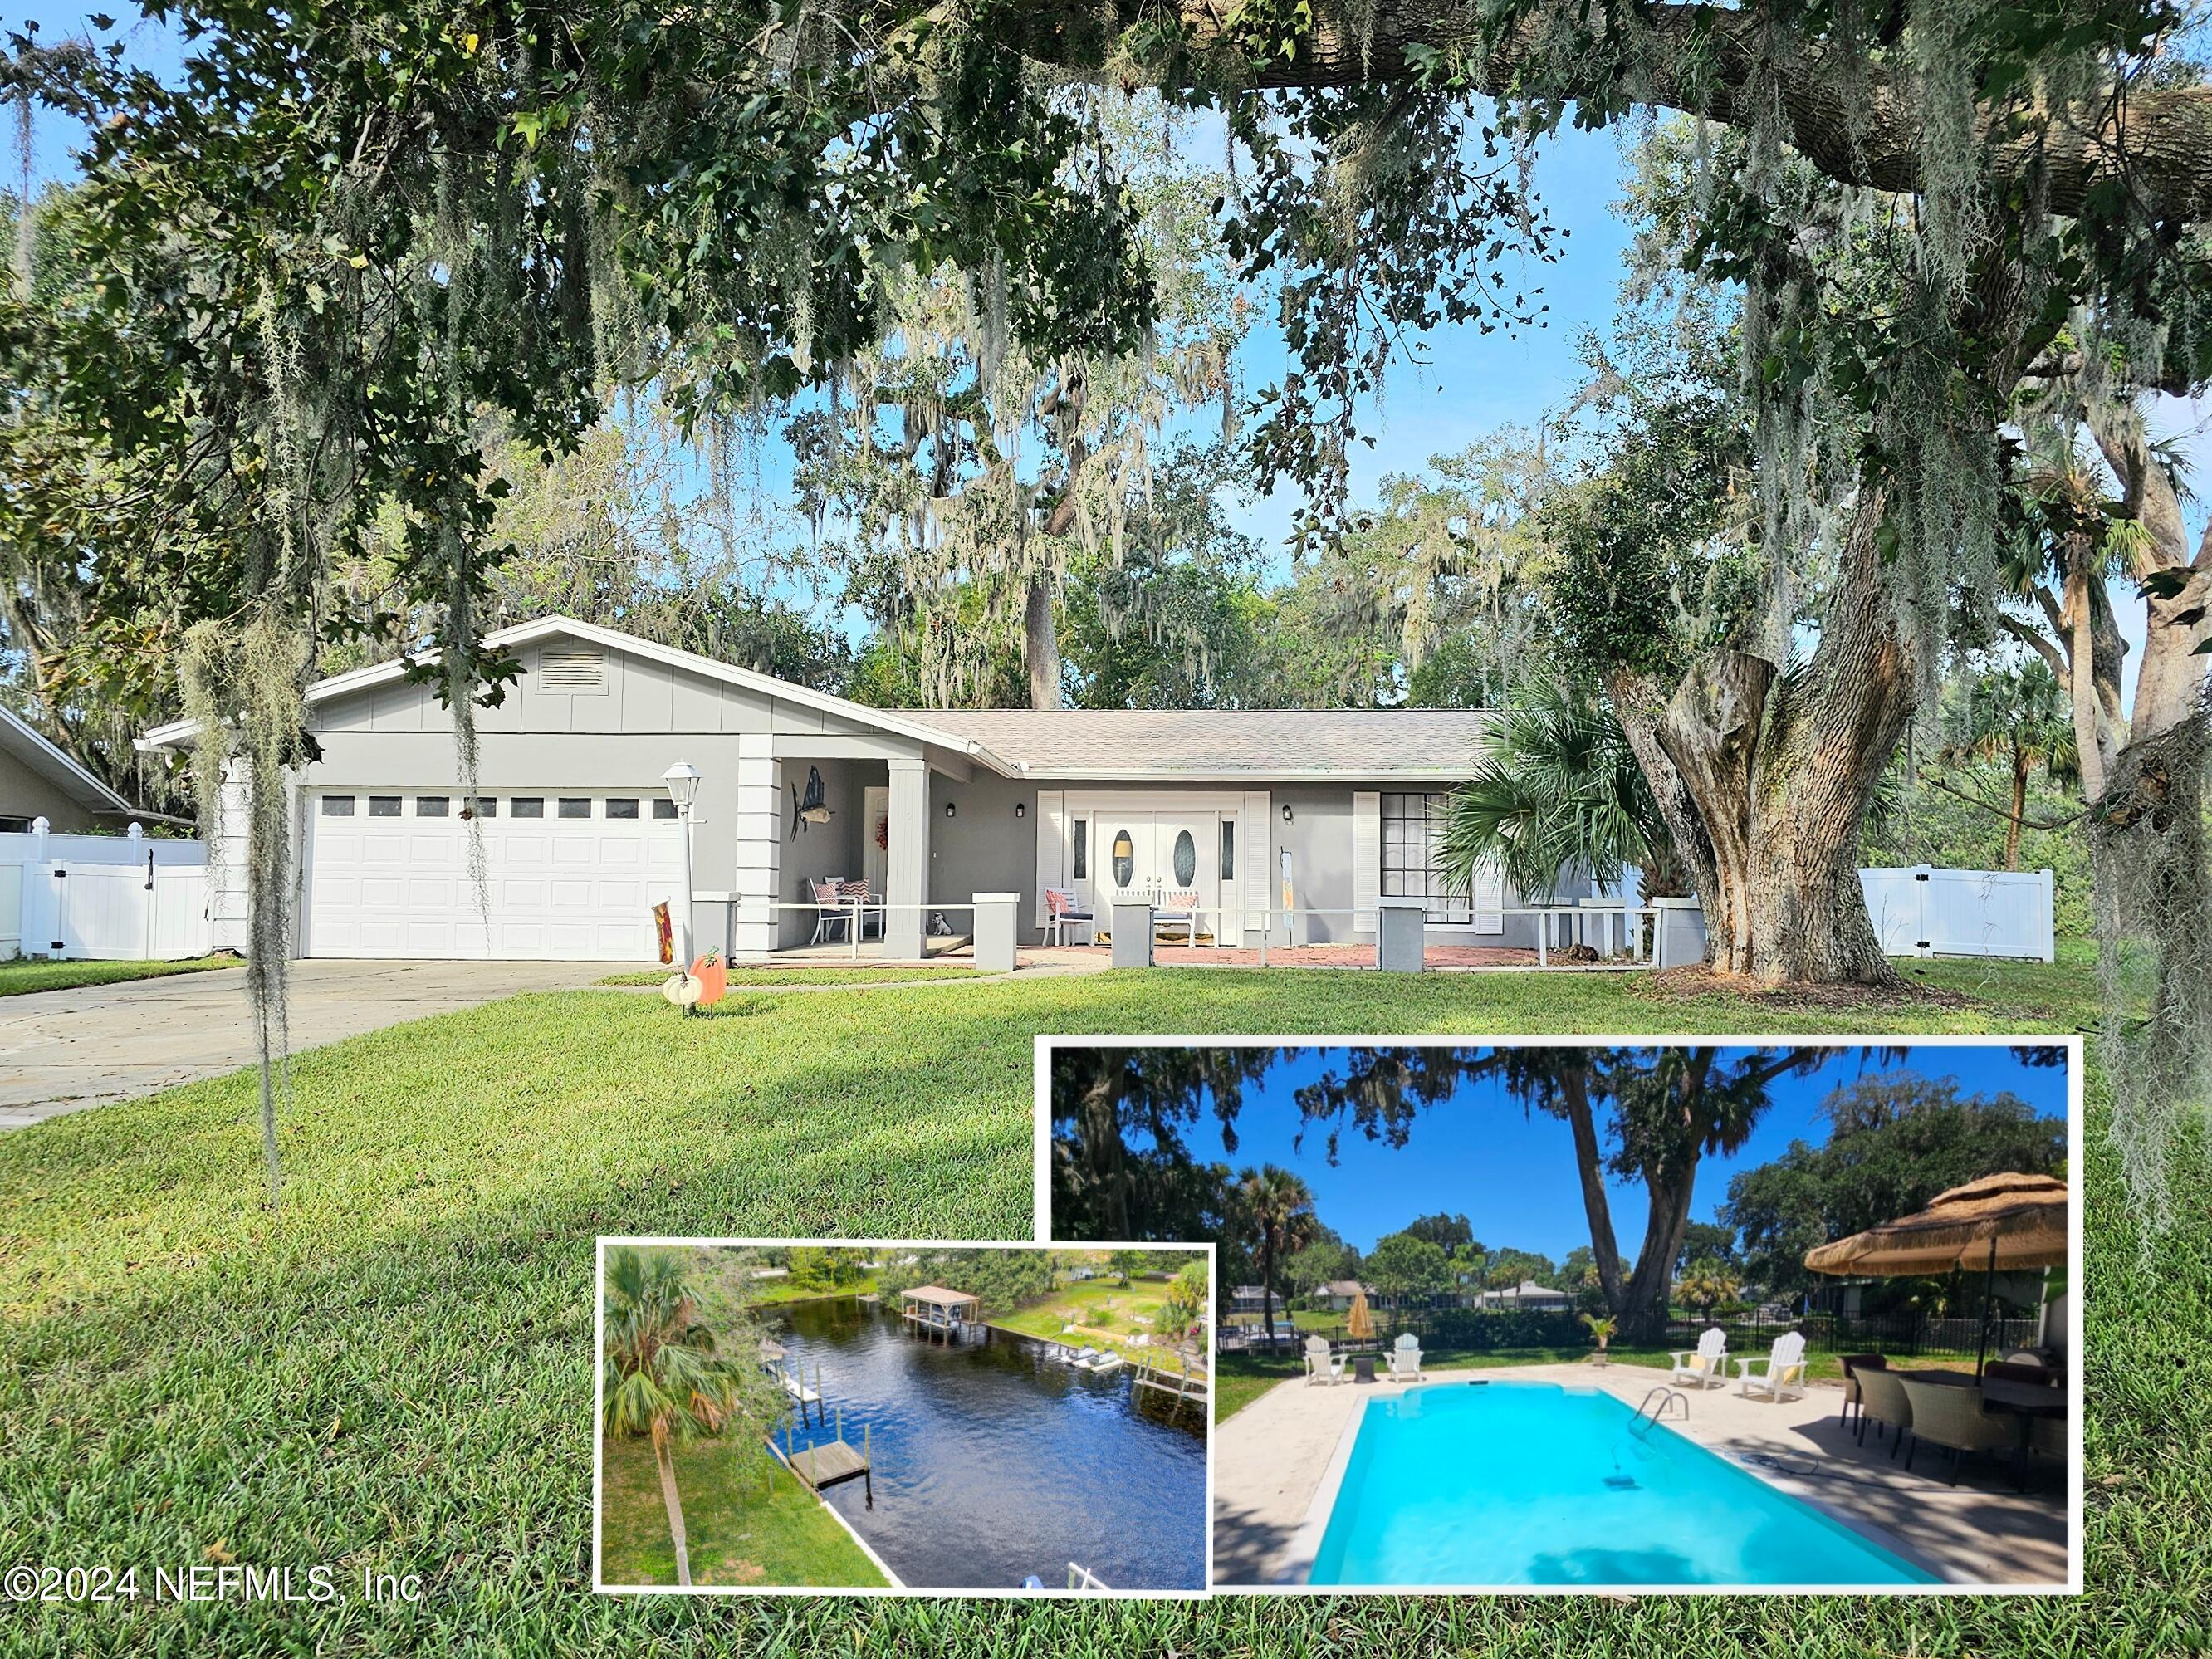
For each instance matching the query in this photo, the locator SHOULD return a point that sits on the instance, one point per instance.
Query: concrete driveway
(63, 1050)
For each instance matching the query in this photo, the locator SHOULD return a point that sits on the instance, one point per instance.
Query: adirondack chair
(1784, 1372)
(1406, 1358)
(1705, 1365)
(1322, 1366)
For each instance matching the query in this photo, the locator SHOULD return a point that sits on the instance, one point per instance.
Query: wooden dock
(1178, 1384)
(834, 1463)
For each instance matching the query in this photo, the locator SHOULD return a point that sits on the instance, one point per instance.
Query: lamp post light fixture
(683, 781)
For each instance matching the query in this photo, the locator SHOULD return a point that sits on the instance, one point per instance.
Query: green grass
(864, 973)
(775, 1292)
(395, 1371)
(26, 974)
(746, 1521)
(1086, 1303)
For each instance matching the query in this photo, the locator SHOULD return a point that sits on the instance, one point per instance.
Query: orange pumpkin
(714, 977)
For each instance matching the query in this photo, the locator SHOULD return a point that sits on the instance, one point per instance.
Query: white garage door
(568, 877)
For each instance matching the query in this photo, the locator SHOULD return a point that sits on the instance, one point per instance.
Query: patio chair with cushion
(1061, 913)
(866, 907)
(1706, 1363)
(1852, 1399)
(1322, 1366)
(1177, 910)
(834, 915)
(1406, 1358)
(1784, 1371)
(1946, 1415)
(1882, 1401)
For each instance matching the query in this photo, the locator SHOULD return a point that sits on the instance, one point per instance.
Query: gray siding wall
(25, 794)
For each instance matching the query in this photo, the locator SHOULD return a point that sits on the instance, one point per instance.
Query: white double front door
(1167, 851)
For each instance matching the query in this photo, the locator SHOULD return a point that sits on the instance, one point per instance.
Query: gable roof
(1108, 744)
(18, 737)
(922, 727)
(1167, 744)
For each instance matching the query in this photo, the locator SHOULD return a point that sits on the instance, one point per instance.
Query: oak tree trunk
(1764, 779)
(1042, 639)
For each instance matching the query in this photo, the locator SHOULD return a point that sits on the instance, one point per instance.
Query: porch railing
(1558, 927)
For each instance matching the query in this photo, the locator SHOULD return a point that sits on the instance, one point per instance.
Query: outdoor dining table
(2002, 1397)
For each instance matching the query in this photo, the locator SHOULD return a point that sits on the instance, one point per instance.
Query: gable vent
(572, 668)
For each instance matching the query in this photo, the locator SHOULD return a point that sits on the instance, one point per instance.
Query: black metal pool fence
(1903, 1331)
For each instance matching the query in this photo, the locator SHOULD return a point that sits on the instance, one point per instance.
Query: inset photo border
(780, 1416)
(1428, 1376)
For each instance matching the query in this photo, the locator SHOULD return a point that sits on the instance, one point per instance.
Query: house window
(664, 808)
(337, 806)
(621, 808)
(1125, 858)
(1412, 825)
(485, 806)
(575, 807)
(526, 806)
(431, 806)
(1229, 849)
(1186, 859)
(1083, 849)
(384, 807)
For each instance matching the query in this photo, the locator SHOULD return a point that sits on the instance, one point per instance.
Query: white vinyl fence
(1927, 912)
(130, 898)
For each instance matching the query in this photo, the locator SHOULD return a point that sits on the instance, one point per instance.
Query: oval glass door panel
(1186, 859)
(1125, 858)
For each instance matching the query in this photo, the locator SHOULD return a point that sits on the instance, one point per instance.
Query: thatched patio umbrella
(1358, 1323)
(1998, 1223)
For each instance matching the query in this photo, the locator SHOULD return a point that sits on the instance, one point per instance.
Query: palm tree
(2019, 717)
(1280, 1205)
(1561, 793)
(664, 1377)
(1706, 1283)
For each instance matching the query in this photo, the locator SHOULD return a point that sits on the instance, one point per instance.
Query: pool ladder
(1654, 1410)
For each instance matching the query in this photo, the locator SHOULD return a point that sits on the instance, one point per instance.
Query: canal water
(994, 1461)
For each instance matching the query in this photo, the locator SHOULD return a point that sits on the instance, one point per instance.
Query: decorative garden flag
(665, 932)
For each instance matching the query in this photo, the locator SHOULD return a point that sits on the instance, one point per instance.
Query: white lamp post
(683, 781)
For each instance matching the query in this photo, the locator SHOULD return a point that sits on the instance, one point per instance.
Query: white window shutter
(1052, 845)
(1366, 857)
(1489, 896)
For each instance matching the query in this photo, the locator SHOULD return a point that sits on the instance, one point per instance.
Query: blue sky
(1462, 384)
(1513, 1174)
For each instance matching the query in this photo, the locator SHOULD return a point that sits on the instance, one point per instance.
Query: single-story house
(38, 779)
(1326, 810)
(1537, 1299)
(1335, 1296)
(1248, 1298)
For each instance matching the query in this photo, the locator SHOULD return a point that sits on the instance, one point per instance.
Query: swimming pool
(1523, 1483)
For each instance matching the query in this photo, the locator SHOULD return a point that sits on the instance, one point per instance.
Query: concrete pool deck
(1276, 1460)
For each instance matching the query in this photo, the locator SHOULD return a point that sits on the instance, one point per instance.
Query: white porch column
(230, 924)
(905, 881)
(758, 878)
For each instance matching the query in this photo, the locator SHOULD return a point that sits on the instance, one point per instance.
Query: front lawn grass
(26, 974)
(810, 974)
(1085, 1305)
(395, 1371)
(747, 1520)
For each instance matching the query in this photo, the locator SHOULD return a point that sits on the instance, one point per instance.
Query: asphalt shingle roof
(1369, 743)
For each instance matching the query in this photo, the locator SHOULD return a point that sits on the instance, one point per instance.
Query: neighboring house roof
(1248, 1293)
(1438, 744)
(30, 746)
(1527, 1290)
(1342, 1287)
(1416, 745)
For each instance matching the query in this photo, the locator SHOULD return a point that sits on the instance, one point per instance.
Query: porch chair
(866, 907)
(832, 915)
(1706, 1363)
(1178, 910)
(1061, 913)
(1406, 1358)
(1321, 1366)
(1784, 1372)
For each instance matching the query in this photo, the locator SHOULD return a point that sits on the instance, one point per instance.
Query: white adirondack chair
(1784, 1373)
(1706, 1365)
(1406, 1358)
(1322, 1366)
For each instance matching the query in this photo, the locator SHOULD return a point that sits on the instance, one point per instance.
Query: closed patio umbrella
(1358, 1323)
(1998, 1223)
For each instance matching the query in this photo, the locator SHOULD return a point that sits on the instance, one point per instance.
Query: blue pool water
(1507, 1483)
